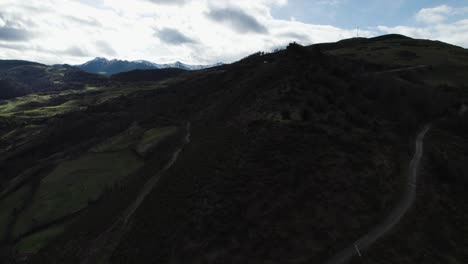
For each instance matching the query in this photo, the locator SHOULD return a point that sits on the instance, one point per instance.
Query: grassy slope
(74, 183)
(449, 63)
(33, 243)
(152, 137)
(8, 206)
(47, 105)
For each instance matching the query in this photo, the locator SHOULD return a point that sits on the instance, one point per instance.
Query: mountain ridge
(101, 65)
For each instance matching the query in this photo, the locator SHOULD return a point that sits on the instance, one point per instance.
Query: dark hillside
(288, 175)
(8, 64)
(147, 75)
(390, 37)
(291, 156)
(10, 90)
(435, 231)
(25, 78)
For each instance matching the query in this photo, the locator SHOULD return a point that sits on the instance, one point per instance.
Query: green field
(34, 242)
(75, 183)
(153, 137)
(125, 140)
(73, 100)
(52, 110)
(9, 107)
(8, 205)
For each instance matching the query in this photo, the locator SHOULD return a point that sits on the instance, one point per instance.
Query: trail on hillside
(406, 69)
(409, 196)
(463, 109)
(102, 247)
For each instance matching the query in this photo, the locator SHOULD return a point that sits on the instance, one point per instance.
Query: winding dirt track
(154, 180)
(102, 247)
(396, 214)
(406, 69)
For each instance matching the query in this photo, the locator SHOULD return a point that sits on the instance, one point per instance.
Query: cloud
(333, 3)
(13, 46)
(436, 14)
(105, 48)
(440, 14)
(454, 33)
(196, 31)
(238, 20)
(173, 36)
(75, 51)
(169, 2)
(12, 28)
(440, 24)
(89, 21)
(192, 31)
(14, 34)
(296, 36)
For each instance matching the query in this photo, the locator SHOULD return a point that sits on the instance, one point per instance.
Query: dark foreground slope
(435, 231)
(286, 180)
(293, 156)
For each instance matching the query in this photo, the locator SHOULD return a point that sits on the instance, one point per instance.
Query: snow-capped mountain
(108, 67)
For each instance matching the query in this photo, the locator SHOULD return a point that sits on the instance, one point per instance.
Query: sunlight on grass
(75, 183)
(125, 140)
(8, 205)
(157, 134)
(52, 110)
(153, 136)
(34, 242)
(90, 95)
(8, 107)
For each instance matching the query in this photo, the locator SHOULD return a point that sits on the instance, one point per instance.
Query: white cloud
(437, 27)
(436, 14)
(73, 31)
(439, 14)
(70, 31)
(454, 33)
(333, 3)
(169, 2)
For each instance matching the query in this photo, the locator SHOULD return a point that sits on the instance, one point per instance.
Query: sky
(210, 31)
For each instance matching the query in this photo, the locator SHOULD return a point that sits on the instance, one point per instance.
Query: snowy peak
(97, 60)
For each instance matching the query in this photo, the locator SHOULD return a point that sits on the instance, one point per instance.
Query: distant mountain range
(109, 67)
(19, 78)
